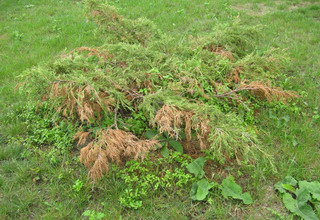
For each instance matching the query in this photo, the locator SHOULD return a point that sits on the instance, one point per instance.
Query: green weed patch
(301, 198)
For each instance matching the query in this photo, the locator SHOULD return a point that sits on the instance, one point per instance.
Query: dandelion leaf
(196, 167)
(231, 189)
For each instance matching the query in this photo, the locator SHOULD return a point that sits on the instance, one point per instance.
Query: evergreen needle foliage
(179, 88)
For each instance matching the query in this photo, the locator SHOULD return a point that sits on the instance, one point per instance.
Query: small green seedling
(77, 186)
(93, 215)
(166, 141)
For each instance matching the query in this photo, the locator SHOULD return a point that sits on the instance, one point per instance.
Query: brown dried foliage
(132, 92)
(171, 119)
(112, 15)
(194, 86)
(94, 52)
(260, 90)
(234, 76)
(219, 50)
(266, 92)
(83, 101)
(82, 137)
(113, 145)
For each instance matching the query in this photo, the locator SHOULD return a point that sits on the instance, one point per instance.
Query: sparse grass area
(40, 173)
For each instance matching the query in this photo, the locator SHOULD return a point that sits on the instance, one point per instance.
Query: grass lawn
(34, 32)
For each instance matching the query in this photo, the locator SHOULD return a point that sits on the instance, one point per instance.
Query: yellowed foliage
(83, 101)
(266, 92)
(170, 119)
(112, 145)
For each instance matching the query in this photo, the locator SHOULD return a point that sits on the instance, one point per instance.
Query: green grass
(33, 32)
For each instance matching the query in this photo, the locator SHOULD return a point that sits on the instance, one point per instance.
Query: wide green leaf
(193, 191)
(196, 167)
(303, 196)
(289, 188)
(299, 207)
(306, 212)
(289, 202)
(312, 187)
(231, 189)
(282, 185)
(150, 134)
(200, 189)
(317, 207)
(164, 151)
(176, 145)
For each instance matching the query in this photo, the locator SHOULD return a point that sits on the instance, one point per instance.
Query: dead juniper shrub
(219, 50)
(191, 87)
(111, 145)
(266, 92)
(170, 119)
(222, 136)
(235, 75)
(83, 101)
(100, 53)
(82, 137)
